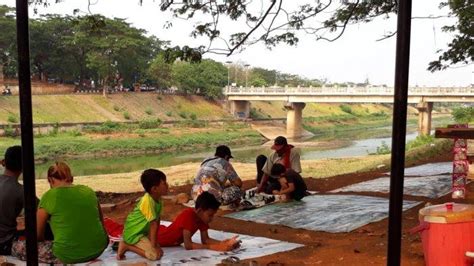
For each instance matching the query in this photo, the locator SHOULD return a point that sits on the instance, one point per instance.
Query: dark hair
(13, 159)
(261, 160)
(223, 151)
(278, 169)
(280, 140)
(206, 201)
(151, 178)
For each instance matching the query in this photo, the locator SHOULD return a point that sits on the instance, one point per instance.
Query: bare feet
(121, 250)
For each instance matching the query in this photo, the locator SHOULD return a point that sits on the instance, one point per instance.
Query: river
(358, 142)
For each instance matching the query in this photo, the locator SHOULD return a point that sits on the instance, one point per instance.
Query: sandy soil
(364, 246)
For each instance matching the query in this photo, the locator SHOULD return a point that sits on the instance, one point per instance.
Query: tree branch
(251, 31)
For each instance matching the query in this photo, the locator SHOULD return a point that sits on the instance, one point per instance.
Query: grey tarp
(329, 213)
(428, 186)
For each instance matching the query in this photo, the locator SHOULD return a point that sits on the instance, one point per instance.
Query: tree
(279, 21)
(161, 72)
(7, 40)
(207, 76)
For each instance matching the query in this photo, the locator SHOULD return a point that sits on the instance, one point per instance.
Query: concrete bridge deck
(296, 98)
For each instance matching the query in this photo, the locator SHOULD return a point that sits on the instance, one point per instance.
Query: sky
(354, 57)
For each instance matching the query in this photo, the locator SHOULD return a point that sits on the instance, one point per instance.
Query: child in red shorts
(192, 219)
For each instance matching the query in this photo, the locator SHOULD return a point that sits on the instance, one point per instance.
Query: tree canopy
(278, 21)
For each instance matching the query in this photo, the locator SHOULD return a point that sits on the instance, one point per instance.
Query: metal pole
(26, 130)
(402, 65)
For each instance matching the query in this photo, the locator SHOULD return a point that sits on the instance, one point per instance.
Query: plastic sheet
(328, 213)
(251, 247)
(430, 169)
(429, 186)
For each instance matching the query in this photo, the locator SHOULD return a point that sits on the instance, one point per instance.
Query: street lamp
(246, 74)
(228, 73)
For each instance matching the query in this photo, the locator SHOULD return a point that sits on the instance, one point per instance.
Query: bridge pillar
(240, 109)
(294, 119)
(424, 117)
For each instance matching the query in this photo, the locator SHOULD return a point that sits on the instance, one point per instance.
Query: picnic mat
(429, 186)
(430, 169)
(251, 247)
(328, 213)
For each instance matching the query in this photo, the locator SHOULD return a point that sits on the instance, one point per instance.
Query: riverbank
(183, 174)
(364, 246)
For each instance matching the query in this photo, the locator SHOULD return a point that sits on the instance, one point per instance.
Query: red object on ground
(447, 233)
(114, 229)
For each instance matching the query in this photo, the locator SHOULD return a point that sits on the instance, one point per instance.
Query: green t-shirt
(138, 221)
(75, 221)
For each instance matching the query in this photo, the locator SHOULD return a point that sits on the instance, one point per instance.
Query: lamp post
(228, 73)
(246, 74)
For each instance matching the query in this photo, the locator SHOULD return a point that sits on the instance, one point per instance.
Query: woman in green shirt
(74, 214)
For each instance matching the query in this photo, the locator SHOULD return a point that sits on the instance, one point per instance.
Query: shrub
(149, 123)
(183, 114)
(105, 128)
(126, 115)
(346, 108)
(193, 116)
(116, 108)
(169, 113)
(463, 115)
(12, 119)
(383, 149)
(148, 111)
(74, 133)
(9, 131)
(420, 141)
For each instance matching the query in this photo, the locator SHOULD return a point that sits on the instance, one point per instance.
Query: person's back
(11, 204)
(75, 221)
(300, 186)
(11, 198)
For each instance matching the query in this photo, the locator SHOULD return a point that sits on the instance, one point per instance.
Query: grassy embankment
(183, 174)
(149, 137)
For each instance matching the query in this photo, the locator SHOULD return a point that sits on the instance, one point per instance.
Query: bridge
(295, 99)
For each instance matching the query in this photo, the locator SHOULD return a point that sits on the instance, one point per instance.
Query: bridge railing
(415, 91)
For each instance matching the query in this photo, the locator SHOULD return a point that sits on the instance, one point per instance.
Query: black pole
(26, 130)
(402, 65)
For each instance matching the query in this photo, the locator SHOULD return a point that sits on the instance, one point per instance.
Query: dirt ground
(364, 246)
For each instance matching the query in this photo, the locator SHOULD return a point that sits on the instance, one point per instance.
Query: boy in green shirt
(141, 226)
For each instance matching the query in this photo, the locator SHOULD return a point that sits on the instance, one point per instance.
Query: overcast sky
(354, 57)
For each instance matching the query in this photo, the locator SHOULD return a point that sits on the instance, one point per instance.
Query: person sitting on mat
(292, 184)
(192, 219)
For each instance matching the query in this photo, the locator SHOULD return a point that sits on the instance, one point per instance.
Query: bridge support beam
(240, 109)
(294, 119)
(424, 117)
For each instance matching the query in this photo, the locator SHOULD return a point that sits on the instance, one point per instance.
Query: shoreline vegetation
(148, 137)
(183, 174)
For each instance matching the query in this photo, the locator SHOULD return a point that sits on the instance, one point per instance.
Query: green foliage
(149, 123)
(12, 118)
(463, 115)
(126, 115)
(148, 111)
(420, 141)
(160, 72)
(183, 114)
(208, 77)
(383, 149)
(169, 113)
(256, 114)
(346, 108)
(9, 131)
(106, 128)
(193, 116)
